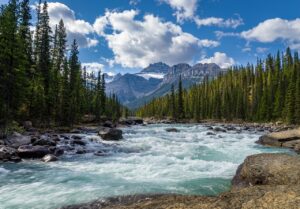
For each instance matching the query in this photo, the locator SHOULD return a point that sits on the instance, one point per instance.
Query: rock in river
(9, 154)
(174, 130)
(49, 158)
(111, 134)
(268, 169)
(288, 139)
(29, 151)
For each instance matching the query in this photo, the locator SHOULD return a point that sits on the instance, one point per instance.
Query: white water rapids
(148, 160)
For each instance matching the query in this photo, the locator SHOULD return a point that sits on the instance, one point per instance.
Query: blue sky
(127, 35)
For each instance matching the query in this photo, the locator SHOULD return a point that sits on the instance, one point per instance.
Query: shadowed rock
(111, 134)
(29, 151)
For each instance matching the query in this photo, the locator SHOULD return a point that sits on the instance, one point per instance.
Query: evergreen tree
(173, 102)
(180, 100)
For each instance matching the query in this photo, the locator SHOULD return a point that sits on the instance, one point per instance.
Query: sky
(127, 35)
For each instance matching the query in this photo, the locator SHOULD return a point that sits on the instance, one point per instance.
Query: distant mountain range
(134, 90)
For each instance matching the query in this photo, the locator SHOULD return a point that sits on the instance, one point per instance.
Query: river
(148, 160)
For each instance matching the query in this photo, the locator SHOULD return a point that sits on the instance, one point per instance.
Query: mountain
(130, 87)
(156, 80)
(159, 67)
(109, 78)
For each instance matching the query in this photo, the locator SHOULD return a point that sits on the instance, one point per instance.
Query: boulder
(27, 125)
(219, 129)
(28, 151)
(78, 142)
(174, 130)
(49, 158)
(210, 134)
(108, 124)
(80, 151)
(44, 142)
(289, 139)
(57, 151)
(268, 169)
(76, 137)
(16, 140)
(131, 121)
(9, 154)
(111, 134)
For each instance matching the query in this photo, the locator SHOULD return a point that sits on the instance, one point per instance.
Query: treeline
(269, 91)
(41, 78)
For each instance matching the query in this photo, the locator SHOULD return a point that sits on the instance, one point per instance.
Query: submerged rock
(111, 134)
(49, 158)
(29, 151)
(174, 130)
(78, 142)
(219, 129)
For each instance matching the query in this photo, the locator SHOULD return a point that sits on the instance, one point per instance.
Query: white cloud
(76, 29)
(220, 59)
(246, 49)
(275, 29)
(138, 43)
(261, 50)
(184, 9)
(93, 67)
(220, 22)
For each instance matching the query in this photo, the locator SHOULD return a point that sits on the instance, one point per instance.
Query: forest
(41, 78)
(266, 92)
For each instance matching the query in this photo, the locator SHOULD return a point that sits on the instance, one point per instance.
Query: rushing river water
(148, 160)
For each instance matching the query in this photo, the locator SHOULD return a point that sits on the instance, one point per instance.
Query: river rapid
(148, 160)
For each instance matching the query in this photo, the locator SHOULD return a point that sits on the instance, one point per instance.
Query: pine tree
(180, 100)
(75, 83)
(11, 76)
(173, 103)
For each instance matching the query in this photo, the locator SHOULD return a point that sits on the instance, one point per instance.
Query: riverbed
(149, 160)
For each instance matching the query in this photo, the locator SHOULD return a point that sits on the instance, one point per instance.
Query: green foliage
(38, 81)
(270, 91)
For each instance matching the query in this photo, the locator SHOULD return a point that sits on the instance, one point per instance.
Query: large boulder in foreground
(268, 169)
(33, 152)
(264, 197)
(111, 134)
(288, 139)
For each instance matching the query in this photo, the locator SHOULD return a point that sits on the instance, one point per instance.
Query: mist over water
(148, 160)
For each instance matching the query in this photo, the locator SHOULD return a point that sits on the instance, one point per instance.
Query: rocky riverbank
(270, 181)
(49, 145)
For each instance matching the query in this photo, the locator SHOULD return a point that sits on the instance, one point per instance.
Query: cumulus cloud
(184, 9)
(137, 43)
(93, 67)
(220, 22)
(220, 59)
(275, 29)
(76, 29)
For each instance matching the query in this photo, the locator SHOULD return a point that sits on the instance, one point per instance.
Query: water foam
(148, 160)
